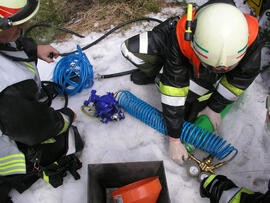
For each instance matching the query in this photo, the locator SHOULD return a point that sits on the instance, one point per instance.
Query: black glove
(54, 174)
(72, 164)
(213, 186)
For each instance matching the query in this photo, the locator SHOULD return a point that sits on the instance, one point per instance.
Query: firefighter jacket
(23, 118)
(185, 81)
(220, 189)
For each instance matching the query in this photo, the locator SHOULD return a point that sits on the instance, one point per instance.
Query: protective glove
(177, 151)
(53, 174)
(214, 185)
(214, 117)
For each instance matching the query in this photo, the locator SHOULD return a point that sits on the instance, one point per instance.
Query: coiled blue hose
(191, 133)
(74, 73)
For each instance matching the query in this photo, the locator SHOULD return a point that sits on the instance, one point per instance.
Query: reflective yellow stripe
(237, 197)
(11, 166)
(45, 177)
(204, 97)
(13, 171)
(64, 128)
(230, 87)
(12, 156)
(30, 67)
(13, 161)
(49, 141)
(173, 91)
(208, 180)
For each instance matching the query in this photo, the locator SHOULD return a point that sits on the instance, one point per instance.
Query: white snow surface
(130, 140)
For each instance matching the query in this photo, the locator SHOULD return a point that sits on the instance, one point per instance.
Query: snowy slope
(131, 140)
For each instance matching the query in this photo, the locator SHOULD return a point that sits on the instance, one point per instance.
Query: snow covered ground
(131, 140)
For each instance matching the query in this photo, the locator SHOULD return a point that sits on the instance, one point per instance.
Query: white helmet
(16, 12)
(221, 35)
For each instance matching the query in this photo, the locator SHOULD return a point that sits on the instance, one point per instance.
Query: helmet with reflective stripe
(16, 12)
(221, 35)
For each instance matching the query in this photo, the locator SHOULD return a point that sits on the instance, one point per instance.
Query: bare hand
(178, 152)
(44, 51)
(214, 117)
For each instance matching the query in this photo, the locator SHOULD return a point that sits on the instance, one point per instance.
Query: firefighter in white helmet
(202, 74)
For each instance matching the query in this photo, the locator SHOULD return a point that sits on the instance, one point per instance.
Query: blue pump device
(105, 107)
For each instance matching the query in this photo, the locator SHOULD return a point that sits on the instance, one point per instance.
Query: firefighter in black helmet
(33, 136)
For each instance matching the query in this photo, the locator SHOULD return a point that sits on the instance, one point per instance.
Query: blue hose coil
(73, 73)
(191, 134)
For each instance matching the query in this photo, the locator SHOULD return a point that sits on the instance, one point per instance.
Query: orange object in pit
(143, 191)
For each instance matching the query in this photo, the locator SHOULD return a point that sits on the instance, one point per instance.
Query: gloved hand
(177, 151)
(214, 185)
(214, 117)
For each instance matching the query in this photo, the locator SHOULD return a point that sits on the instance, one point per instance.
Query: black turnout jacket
(179, 75)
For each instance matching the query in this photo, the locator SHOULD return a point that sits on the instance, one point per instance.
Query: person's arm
(220, 189)
(24, 119)
(44, 52)
(173, 87)
(235, 82)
